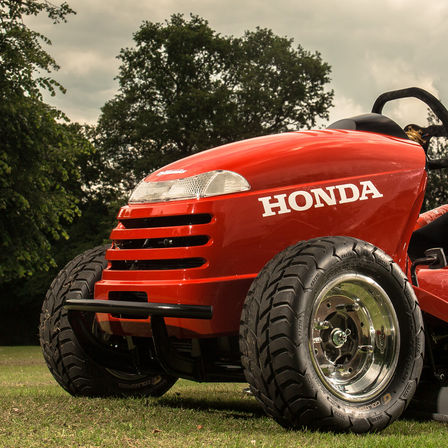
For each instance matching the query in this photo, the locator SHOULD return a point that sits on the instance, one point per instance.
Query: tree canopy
(40, 152)
(25, 64)
(436, 189)
(184, 88)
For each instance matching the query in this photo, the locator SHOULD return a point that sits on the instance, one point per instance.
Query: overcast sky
(372, 45)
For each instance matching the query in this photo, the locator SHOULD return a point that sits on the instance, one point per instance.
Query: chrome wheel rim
(354, 337)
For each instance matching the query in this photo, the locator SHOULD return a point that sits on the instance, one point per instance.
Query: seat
(377, 123)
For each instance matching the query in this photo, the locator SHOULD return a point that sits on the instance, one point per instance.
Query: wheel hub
(354, 337)
(339, 337)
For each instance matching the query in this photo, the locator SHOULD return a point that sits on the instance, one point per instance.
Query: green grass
(36, 412)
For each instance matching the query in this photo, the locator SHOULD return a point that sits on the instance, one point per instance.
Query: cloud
(81, 63)
(399, 74)
(345, 107)
(371, 46)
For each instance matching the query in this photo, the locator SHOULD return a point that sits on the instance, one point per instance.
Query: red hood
(301, 158)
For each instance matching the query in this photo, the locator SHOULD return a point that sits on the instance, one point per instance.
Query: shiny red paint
(435, 283)
(431, 215)
(241, 240)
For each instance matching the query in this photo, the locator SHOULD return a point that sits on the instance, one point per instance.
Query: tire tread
(268, 315)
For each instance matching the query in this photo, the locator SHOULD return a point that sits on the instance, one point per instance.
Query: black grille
(157, 265)
(162, 243)
(166, 221)
(128, 296)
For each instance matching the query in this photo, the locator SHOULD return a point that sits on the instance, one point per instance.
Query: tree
(184, 88)
(437, 187)
(24, 63)
(39, 180)
(40, 152)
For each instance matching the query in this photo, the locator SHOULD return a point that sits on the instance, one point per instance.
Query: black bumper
(140, 309)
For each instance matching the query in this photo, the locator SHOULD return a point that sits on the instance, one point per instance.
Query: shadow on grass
(409, 425)
(244, 409)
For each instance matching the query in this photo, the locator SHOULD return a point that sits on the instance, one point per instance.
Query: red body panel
(364, 185)
(432, 292)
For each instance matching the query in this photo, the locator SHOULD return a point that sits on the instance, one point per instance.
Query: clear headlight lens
(203, 185)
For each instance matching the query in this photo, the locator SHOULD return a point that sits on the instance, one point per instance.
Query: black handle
(434, 104)
(413, 92)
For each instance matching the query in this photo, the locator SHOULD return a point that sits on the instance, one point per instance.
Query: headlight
(203, 185)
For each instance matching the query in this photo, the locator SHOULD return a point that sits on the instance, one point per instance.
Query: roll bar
(432, 102)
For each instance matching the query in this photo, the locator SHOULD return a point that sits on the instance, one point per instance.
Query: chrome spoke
(348, 307)
(365, 348)
(354, 337)
(323, 325)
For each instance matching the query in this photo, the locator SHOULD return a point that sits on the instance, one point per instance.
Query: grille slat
(161, 243)
(157, 265)
(166, 221)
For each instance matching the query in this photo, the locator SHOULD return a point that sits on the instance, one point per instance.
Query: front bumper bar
(140, 309)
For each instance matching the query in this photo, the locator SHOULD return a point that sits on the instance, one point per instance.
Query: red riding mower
(297, 262)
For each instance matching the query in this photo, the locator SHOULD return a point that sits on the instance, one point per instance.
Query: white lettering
(319, 194)
(292, 200)
(268, 206)
(302, 200)
(343, 193)
(369, 188)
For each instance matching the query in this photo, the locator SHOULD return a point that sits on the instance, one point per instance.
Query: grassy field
(36, 412)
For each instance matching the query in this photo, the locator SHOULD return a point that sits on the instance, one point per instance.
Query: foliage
(23, 61)
(185, 88)
(40, 152)
(437, 188)
(39, 180)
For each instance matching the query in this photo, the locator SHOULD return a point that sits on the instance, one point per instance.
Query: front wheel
(332, 337)
(66, 343)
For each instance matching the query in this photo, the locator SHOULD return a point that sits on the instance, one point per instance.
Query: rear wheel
(332, 336)
(66, 342)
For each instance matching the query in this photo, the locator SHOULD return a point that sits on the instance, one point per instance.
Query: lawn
(36, 412)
